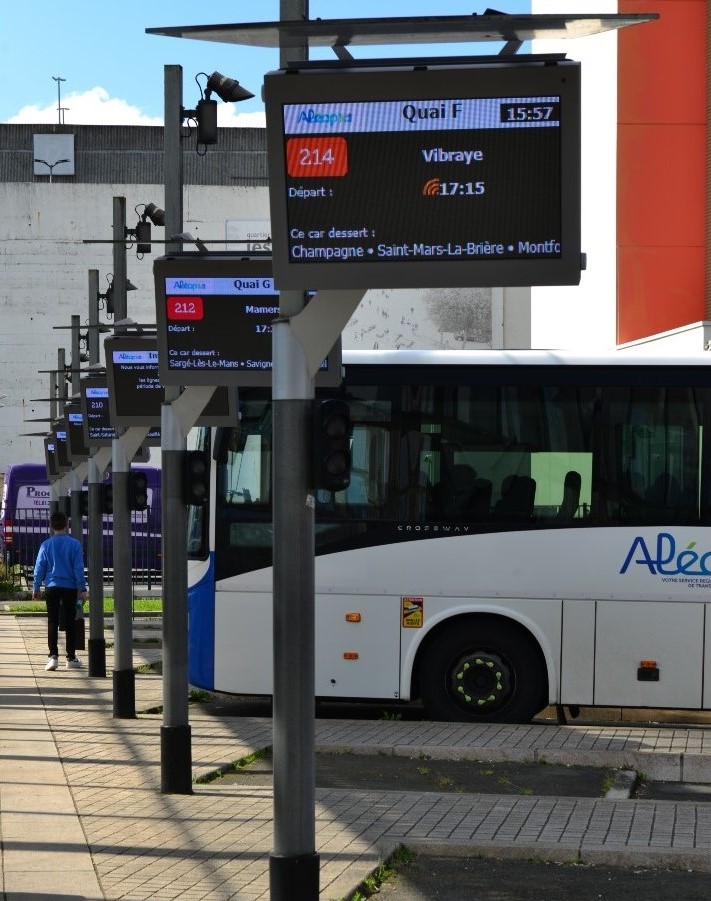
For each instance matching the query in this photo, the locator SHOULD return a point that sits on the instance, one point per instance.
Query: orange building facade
(662, 178)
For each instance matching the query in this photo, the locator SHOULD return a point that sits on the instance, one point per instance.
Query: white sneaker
(74, 663)
(52, 663)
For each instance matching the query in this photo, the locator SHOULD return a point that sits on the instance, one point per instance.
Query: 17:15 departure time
(461, 188)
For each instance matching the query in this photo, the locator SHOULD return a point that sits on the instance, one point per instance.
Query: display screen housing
(50, 457)
(74, 423)
(94, 392)
(136, 391)
(459, 174)
(61, 447)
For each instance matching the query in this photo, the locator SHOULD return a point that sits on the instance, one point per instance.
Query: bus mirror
(197, 478)
(332, 444)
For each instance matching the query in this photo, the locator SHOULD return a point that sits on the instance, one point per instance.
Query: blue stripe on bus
(201, 634)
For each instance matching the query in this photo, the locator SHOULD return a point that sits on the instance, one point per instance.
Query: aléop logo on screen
(311, 117)
(188, 285)
(665, 558)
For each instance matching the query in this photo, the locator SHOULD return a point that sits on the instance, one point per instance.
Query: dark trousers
(61, 602)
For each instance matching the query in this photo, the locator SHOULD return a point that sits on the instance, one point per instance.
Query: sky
(91, 63)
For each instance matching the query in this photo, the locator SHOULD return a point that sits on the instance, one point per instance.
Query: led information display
(136, 392)
(214, 316)
(443, 175)
(61, 449)
(98, 430)
(50, 457)
(74, 420)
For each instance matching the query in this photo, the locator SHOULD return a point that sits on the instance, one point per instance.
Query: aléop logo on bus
(667, 559)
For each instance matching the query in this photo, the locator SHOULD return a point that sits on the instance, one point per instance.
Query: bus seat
(517, 496)
(664, 491)
(470, 496)
(666, 502)
(571, 497)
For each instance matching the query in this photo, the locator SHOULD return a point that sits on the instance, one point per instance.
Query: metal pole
(92, 340)
(76, 361)
(75, 518)
(119, 257)
(124, 678)
(176, 753)
(294, 863)
(96, 644)
(61, 396)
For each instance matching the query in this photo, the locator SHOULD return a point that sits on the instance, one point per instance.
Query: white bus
(521, 529)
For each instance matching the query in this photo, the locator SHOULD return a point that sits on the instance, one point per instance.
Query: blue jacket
(60, 564)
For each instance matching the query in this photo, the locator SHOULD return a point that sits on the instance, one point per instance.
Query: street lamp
(205, 113)
(50, 166)
(142, 231)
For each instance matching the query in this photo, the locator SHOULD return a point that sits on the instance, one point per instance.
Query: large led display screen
(438, 174)
(214, 314)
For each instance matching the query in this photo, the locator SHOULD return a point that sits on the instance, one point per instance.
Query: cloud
(96, 107)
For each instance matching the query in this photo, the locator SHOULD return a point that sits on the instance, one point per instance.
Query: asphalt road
(478, 879)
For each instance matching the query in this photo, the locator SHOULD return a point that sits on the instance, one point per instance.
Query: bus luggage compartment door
(632, 634)
(358, 647)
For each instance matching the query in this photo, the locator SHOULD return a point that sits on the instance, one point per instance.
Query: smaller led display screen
(214, 314)
(136, 392)
(61, 447)
(50, 456)
(98, 431)
(74, 421)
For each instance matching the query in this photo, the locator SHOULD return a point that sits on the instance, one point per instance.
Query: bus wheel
(482, 672)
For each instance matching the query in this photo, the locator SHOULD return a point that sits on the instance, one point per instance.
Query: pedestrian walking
(60, 566)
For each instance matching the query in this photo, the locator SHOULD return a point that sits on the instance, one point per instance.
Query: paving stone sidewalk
(82, 815)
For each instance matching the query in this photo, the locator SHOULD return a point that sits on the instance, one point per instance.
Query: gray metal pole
(119, 256)
(77, 530)
(96, 645)
(124, 678)
(61, 395)
(92, 340)
(176, 753)
(76, 356)
(294, 863)
(75, 518)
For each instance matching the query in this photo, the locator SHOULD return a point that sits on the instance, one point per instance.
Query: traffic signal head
(137, 490)
(83, 503)
(332, 444)
(197, 478)
(107, 498)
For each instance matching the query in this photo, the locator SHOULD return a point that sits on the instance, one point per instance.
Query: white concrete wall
(44, 266)
(584, 317)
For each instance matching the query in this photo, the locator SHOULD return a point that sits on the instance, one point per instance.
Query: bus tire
(482, 670)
